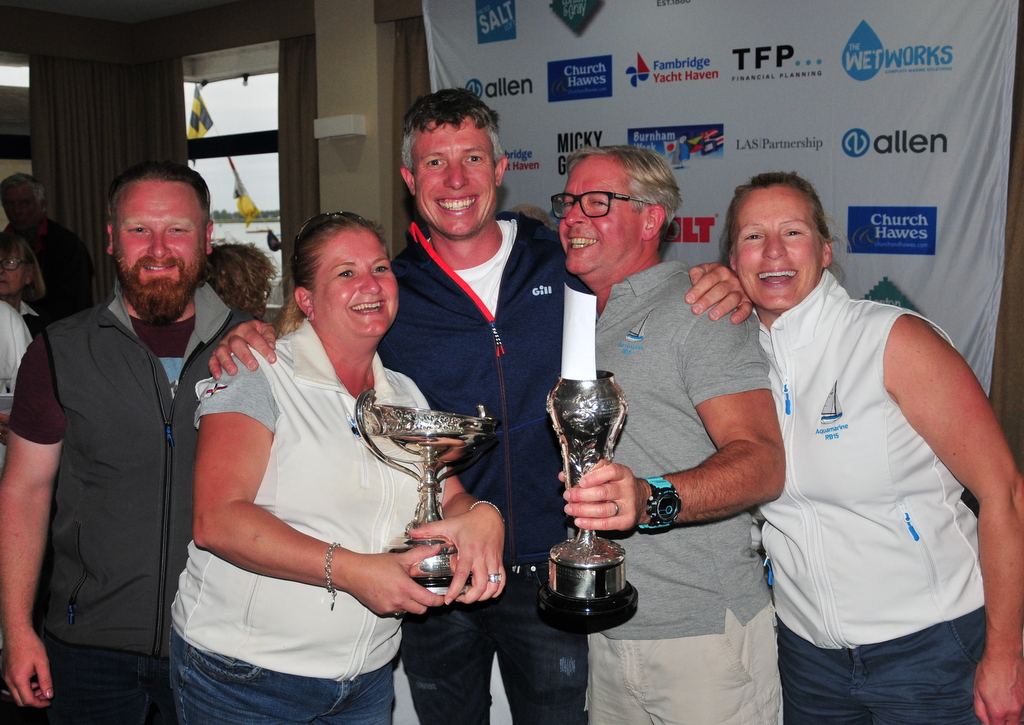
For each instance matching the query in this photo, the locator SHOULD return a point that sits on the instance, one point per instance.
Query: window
(240, 96)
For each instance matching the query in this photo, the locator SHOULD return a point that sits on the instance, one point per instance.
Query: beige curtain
(90, 121)
(1007, 390)
(412, 80)
(298, 151)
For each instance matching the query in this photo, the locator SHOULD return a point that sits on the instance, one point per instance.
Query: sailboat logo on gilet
(832, 411)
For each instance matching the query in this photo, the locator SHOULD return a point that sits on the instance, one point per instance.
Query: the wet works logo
(670, 70)
(864, 55)
(892, 229)
(578, 78)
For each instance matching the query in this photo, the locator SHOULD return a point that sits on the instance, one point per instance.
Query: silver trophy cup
(587, 574)
(425, 442)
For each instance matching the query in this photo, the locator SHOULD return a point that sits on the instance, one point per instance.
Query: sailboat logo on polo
(637, 333)
(831, 412)
(635, 336)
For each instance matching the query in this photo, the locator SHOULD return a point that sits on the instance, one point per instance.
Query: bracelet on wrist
(327, 572)
(481, 501)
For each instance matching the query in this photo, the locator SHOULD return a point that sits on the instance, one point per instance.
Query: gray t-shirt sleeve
(245, 392)
(720, 358)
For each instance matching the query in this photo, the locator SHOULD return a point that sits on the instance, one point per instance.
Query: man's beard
(159, 301)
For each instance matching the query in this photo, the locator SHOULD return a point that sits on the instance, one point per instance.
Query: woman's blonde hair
(13, 246)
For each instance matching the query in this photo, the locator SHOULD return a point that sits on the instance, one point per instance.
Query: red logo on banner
(690, 229)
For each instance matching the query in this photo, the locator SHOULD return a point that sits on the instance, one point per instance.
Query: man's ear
(654, 221)
(110, 238)
(410, 180)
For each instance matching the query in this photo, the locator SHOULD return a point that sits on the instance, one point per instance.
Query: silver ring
(616, 503)
(494, 578)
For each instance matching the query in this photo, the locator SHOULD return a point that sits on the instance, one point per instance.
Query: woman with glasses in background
(286, 611)
(21, 281)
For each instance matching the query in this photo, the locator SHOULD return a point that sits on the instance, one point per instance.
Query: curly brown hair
(242, 276)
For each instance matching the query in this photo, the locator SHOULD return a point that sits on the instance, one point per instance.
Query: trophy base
(621, 602)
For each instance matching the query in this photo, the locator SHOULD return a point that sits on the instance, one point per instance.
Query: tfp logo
(690, 229)
(681, 145)
(500, 87)
(892, 229)
(671, 70)
(765, 63)
(856, 142)
(578, 78)
(495, 20)
(864, 55)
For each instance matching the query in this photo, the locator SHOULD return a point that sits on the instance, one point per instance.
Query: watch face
(667, 509)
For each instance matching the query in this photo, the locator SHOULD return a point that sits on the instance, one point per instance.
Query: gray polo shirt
(668, 360)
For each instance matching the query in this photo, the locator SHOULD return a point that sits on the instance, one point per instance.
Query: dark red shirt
(37, 416)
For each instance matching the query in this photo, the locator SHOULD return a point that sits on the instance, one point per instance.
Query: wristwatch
(663, 506)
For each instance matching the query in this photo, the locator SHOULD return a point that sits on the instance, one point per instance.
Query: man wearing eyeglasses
(63, 259)
(701, 445)
(479, 321)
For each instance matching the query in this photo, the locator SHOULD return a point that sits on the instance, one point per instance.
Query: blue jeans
(447, 654)
(926, 677)
(104, 687)
(211, 688)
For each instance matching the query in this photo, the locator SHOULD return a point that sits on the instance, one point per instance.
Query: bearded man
(98, 429)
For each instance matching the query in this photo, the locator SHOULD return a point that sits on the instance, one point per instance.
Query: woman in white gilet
(895, 603)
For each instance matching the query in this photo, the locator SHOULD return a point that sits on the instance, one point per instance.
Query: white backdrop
(899, 113)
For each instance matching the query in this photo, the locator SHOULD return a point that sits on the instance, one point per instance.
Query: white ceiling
(125, 11)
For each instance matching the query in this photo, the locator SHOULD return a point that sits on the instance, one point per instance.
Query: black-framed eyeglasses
(593, 203)
(315, 223)
(12, 264)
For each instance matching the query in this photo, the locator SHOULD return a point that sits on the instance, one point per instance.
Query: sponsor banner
(892, 229)
(580, 78)
(898, 113)
(681, 145)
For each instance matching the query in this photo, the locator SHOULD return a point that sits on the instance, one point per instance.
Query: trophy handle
(363, 404)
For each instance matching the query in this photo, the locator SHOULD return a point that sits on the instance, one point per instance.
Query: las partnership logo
(864, 55)
(495, 20)
(572, 140)
(892, 229)
(672, 70)
(856, 142)
(681, 145)
(690, 229)
(577, 79)
(773, 62)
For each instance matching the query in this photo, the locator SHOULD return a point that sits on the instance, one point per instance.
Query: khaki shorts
(715, 679)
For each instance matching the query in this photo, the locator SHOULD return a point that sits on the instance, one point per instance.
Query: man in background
(63, 258)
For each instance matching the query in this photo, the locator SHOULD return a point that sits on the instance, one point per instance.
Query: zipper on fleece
(499, 351)
(414, 230)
